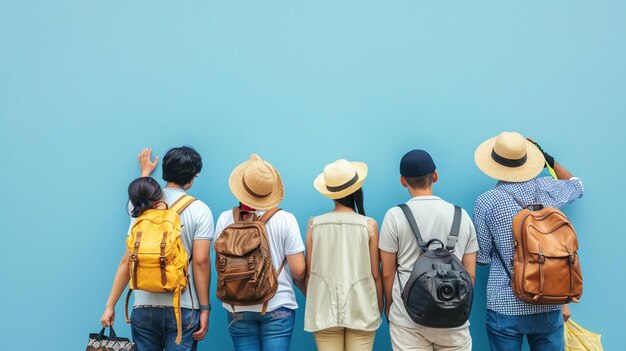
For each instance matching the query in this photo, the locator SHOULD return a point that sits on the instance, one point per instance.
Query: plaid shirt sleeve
(482, 231)
(562, 192)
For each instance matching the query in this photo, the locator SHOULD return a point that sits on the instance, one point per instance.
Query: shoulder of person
(393, 211)
(199, 206)
(285, 216)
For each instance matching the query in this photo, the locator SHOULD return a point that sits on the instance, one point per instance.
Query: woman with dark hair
(144, 193)
(344, 285)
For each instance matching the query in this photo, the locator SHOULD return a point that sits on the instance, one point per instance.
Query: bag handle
(101, 336)
(536, 206)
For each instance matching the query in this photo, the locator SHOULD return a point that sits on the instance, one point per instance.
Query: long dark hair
(143, 193)
(352, 200)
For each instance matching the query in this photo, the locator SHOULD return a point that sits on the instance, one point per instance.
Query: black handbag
(101, 342)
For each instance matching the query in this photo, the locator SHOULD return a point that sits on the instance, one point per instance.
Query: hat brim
(235, 182)
(530, 169)
(320, 184)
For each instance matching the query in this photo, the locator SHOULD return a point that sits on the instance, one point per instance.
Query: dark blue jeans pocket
(141, 317)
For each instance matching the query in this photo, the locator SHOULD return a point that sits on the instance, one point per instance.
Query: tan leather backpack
(243, 260)
(546, 269)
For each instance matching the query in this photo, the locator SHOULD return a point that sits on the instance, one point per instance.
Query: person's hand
(108, 317)
(203, 326)
(145, 163)
(566, 313)
(549, 159)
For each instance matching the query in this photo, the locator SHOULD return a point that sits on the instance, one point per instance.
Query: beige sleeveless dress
(341, 290)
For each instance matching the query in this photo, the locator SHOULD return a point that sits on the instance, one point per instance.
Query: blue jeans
(544, 331)
(154, 329)
(252, 331)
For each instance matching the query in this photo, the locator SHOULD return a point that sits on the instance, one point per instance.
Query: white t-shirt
(284, 240)
(434, 220)
(197, 224)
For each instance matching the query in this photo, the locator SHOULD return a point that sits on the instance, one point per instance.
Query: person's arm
(372, 227)
(469, 262)
(389, 261)
(202, 280)
(309, 251)
(561, 172)
(122, 277)
(147, 166)
(297, 265)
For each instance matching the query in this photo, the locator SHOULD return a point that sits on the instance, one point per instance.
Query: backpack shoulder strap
(495, 248)
(181, 204)
(454, 231)
(409, 216)
(267, 215)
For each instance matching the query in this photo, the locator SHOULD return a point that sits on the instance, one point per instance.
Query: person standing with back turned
(516, 163)
(267, 326)
(344, 287)
(153, 325)
(400, 251)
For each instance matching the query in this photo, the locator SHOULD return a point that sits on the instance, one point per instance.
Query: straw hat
(509, 157)
(341, 178)
(257, 184)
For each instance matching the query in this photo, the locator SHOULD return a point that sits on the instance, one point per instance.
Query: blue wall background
(84, 85)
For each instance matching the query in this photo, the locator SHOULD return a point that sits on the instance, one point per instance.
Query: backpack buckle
(250, 263)
(572, 258)
(133, 257)
(162, 261)
(542, 258)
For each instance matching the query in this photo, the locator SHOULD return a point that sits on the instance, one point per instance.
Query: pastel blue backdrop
(84, 85)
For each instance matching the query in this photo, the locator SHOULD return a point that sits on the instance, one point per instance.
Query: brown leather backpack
(546, 269)
(243, 260)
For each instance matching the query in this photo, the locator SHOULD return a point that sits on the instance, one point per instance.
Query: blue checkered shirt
(493, 216)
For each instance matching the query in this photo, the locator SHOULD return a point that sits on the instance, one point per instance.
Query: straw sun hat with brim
(341, 178)
(509, 157)
(257, 184)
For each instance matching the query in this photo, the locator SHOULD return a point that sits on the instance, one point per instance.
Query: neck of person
(341, 208)
(174, 186)
(420, 191)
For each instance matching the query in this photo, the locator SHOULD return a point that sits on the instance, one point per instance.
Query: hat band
(258, 196)
(507, 162)
(344, 186)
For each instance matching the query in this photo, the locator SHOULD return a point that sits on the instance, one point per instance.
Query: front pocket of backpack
(237, 286)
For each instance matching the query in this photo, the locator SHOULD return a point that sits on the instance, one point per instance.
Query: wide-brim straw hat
(341, 178)
(257, 184)
(509, 157)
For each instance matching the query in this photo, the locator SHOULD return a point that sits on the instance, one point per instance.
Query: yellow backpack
(158, 260)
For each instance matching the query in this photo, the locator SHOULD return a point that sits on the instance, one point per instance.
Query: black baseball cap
(416, 163)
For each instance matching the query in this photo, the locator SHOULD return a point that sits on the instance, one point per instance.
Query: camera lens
(446, 292)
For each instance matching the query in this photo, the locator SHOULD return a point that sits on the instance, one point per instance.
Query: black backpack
(439, 292)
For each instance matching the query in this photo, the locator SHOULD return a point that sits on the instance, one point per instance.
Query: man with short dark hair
(516, 163)
(400, 250)
(153, 320)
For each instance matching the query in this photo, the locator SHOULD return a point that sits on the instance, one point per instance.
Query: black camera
(446, 291)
